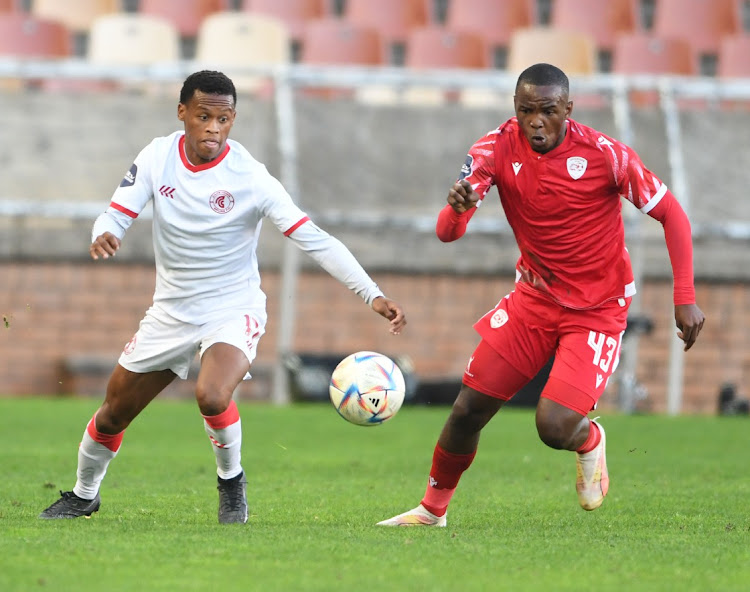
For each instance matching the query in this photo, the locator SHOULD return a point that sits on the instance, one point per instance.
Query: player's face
(208, 119)
(541, 113)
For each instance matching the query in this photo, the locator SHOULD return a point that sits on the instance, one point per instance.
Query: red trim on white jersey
(123, 209)
(297, 225)
(201, 167)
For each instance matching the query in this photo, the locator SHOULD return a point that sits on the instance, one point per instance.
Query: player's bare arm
(392, 311)
(462, 197)
(105, 245)
(689, 320)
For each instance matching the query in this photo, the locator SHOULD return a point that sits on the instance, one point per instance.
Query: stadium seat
(392, 19)
(132, 39)
(495, 21)
(77, 15)
(645, 53)
(602, 20)
(734, 57)
(432, 47)
(571, 51)
(246, 40)
(26, 36)
(701, 23)
(185, 15)
(294, 13)
(9, 5)
(335, 41)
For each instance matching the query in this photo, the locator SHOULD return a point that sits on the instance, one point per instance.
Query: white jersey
(207, 220)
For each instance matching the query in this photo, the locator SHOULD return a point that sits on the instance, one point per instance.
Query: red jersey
(565, 208)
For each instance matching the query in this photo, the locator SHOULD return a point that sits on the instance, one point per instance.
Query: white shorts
(162, 342)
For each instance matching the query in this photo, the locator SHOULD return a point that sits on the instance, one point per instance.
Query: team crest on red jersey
(577, 166)
(221, 201)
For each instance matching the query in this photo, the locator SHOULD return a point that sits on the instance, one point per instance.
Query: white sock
(93, 460)
(227, 444)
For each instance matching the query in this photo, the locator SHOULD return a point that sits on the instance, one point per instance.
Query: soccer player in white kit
(209, 199)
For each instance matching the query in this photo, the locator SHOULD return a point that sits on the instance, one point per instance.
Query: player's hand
(689, 320)
(462, 197)
(391, 311)
(104, 246)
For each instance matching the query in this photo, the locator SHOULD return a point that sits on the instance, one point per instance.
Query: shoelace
(232, 500)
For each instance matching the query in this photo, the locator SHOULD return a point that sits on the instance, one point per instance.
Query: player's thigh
(228, 347)
(587, 355)
(128, 393)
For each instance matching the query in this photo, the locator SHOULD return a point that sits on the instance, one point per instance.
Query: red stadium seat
(734, 57)
(294, 13)
(337, 42)
(602, 20)
(701, 23)
(494, 20)
(644, 53)
(185, 15)
(392, 19)
(436, 47)
(25, 36)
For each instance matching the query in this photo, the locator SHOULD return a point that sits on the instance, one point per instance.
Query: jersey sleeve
(634, 181)
(130, 197)
(479, 171)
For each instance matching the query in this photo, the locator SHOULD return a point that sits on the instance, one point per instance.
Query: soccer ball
(367, 388)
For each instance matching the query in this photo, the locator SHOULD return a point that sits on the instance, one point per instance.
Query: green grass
(677, 516)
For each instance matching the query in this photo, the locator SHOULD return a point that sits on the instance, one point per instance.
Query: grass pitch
(676, 517)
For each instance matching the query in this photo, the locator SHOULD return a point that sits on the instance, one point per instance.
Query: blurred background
(365, 110)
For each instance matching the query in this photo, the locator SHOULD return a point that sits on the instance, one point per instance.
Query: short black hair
(209, 82)
(544, 75)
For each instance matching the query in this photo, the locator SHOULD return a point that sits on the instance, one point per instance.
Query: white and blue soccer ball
(367, 388)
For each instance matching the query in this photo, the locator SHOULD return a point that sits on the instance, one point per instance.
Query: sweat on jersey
(207, 220)
(564, 208)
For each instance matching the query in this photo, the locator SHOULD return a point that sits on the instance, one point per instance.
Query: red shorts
(525, 329)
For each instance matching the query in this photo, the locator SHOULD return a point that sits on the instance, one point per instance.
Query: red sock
(447, 469)
(111, 441)
(593, 439)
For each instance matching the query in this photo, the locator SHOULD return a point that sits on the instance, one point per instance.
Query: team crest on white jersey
(577, 166)
(499, 318)
(221, 201)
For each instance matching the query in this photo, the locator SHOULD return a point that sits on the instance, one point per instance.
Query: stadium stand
(235, 40)
(294, 13)
(9, 6)
(185, 15)
(392, 19)
(602, 20)
(494, 21)
(734, 56)
(572, 51)
(335, 41)
(26, 36)
(647, 53)
(701, 23)
(77, 15)
(431, 47)
(132, 39)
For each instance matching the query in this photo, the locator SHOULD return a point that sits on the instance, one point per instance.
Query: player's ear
(568, 109)
(181, 111)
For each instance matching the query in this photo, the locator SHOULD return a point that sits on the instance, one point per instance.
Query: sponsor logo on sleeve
(129, 178)
(499, 318)
(466, 168)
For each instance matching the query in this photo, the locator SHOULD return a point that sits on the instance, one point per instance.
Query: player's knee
(469, 417)
(553, 432)
(213, 400)
(110, 420)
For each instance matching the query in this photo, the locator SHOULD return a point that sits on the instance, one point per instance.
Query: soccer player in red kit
(561, 185)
